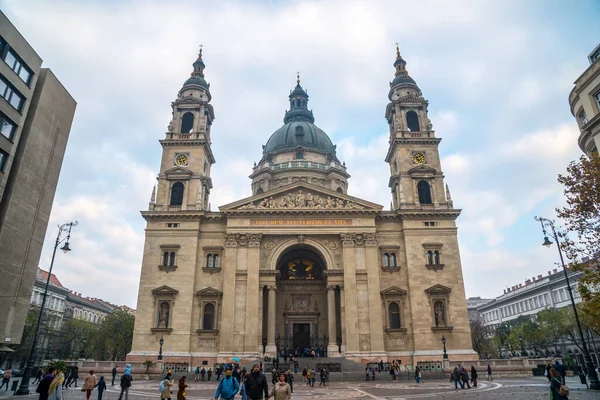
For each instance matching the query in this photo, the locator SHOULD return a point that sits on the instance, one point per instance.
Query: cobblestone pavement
(513, 389)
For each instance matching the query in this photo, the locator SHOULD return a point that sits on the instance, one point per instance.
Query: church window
(166, 258)
(209, 261)
(597, 98)
(412, 121)
(436, 257)
(212, 261)
(208, 317)
(216, 261)
(172, 259)
(430, 257)
(424, 192)
(394, 315)
(299, 155)
(386, 260)
(177, 194)
(259, 190)
(187, 122)
(583, 118)
(392, 259)
(340, 190)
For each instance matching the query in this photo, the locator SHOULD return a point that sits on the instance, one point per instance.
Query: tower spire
(400, 64)
(298, 78)
(199, 65)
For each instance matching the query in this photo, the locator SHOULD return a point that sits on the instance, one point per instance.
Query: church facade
(301, 263)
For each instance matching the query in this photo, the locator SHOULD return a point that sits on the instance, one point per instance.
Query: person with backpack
(165, 387)
(558, 391)
(126, 379)
(44, 385)
(228, 386)
(203, 374)
(209, 374)
(242, 391)
(196, 374)
(304, 373)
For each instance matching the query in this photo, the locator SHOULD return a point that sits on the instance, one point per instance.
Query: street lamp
(500, 351)
(161, 342)
(594, 383)
(521, 343)
(444, 343)
(24, 387)
(82, 352)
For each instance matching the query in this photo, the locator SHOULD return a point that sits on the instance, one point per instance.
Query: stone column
(228, 309)
(332, 348)
(350, 297)
(252, 340)
(373, 284)
(271, 348)
(343, 318)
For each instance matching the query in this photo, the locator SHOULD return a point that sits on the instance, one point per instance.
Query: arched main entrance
(301, 322)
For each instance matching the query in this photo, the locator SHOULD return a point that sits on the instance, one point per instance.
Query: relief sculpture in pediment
(302, 199)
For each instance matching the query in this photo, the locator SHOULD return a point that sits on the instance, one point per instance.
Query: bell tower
(416, 179)
(184, 181)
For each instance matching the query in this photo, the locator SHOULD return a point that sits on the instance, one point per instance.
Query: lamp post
(444, 343)
(24, 387)
(521, 343)
(82, 352)
(500, 351)
(161, 342)
(594, 383)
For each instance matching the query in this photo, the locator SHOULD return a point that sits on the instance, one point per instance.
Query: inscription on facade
(300, 222)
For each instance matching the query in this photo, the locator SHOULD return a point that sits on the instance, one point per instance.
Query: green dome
(299, 133)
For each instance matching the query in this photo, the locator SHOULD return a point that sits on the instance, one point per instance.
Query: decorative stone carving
(163, 315)
(231, 241)
(242, 240)
(334, 246)
(267, 247)
(254, 239)
(347, 239)
(301, 238)
(302, 199)
(370, 239)
(397, 343)
(204, 343)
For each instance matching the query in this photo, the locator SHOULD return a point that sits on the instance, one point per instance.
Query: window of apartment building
(10, 94)
(3, 158)
(594, 56)
(17, 65)
(582, 118)
(7, 127)
(597, 98)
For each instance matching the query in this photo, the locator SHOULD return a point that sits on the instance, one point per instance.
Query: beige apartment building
(584, 100)
(301, 263)
(36, 112)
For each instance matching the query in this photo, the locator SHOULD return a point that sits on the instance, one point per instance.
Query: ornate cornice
(359, 239)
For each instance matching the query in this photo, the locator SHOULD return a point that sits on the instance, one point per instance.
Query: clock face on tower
(182, 159)
(418, 158)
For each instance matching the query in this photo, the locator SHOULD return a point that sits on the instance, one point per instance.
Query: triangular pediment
(164, 290)
(209, 292)
(178, 171)
(301, 196)
(422, 170)
(438, 289)
(393, 291)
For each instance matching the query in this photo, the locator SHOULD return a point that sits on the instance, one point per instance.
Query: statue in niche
(439, 311)
(163, 315)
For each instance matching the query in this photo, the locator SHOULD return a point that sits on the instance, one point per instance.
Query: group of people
(313, 352)
(460, 376)
(51, 385)
(310, 377)
(253, 386)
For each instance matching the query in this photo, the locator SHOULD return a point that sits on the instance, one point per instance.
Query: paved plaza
(513, 389)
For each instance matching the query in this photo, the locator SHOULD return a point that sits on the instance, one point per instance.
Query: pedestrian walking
(228, 386)
(126, 380)
(489, 373)
(38, 376)
(562, 370)
(396, 373)
(165, 387)
(256, 385)
(304, 373)
(323, 376)
(44, 386)
(73, 377)
(281, 390)
(464, 378)
(218, 372)
(242, 391)
(196, 374)
(209, 374)
(6, 378)
(417, 371)
(474, 376)
(55, 387)
(558, 390)
(203, 374)
(114, 374)
(181, 388)
(456, 378)
(289, 378)
(67, 377)
(101, 385)
(548, 368)
(89, 384)
(373, 373)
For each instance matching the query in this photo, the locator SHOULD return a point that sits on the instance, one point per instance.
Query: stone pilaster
(332, 348)
(271, 348)
(252, 339)
(373, 282)
(350, 297)
(228, 311)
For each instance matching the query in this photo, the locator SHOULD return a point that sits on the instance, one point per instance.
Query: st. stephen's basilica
(301, 263)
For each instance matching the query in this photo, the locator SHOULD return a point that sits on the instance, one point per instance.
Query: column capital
(347, 239)
(231, 240)
(272, 287)
(331, 287)
(254, 239)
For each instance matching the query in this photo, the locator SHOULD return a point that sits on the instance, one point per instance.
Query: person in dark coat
(101, 385)
(181, 390)
(256, 385)
(555, 385)
(562, 370)
(474, 376)
(44, 385)
(38, 376)
(114, 374)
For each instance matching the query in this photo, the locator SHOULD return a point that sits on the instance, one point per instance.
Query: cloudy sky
(497, 75)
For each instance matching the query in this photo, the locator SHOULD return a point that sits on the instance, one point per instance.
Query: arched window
(412, 121)
(424, 192)
(430, 257)
(436, 257)
(177, 194)
(208, 320)
(394, 315)
(340, 190)
(386, 260)
(209, 262)
(259, 190)
(187, 122)
(166, 258)
(216, 261)
(172, 259)
(392, 259)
